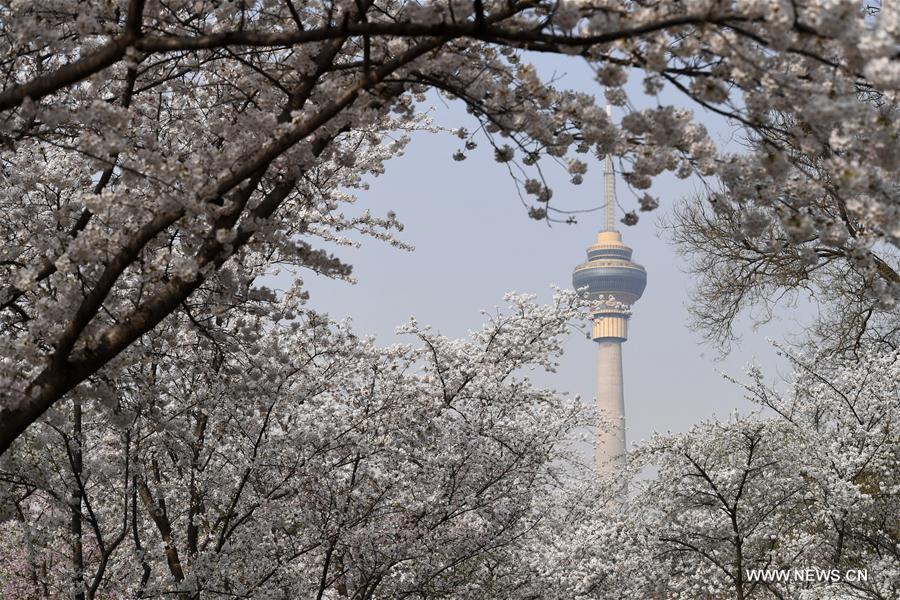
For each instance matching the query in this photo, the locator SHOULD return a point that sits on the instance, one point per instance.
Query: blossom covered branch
(154, 152)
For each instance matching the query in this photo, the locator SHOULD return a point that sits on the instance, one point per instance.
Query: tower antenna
(609, 188)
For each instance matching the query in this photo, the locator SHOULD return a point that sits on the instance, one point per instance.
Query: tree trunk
(75, 503)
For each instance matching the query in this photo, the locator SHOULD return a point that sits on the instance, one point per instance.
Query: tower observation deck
(614, 282)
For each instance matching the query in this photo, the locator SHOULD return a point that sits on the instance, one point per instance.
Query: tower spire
(609, 188)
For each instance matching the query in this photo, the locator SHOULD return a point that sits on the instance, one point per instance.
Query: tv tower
(614, 283)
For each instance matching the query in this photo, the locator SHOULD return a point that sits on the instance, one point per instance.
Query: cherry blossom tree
(810, 483)
(154, 150)
(299, 462)
(168, 426)
(756, 274)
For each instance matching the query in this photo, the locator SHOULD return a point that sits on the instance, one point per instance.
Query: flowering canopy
(301, 462)
(811, 482)
(154, 152)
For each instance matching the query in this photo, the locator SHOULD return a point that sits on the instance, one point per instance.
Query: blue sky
(474, 243)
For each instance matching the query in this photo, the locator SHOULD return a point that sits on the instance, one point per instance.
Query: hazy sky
(474, 243)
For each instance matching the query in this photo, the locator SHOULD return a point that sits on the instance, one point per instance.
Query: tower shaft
(610, 449)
